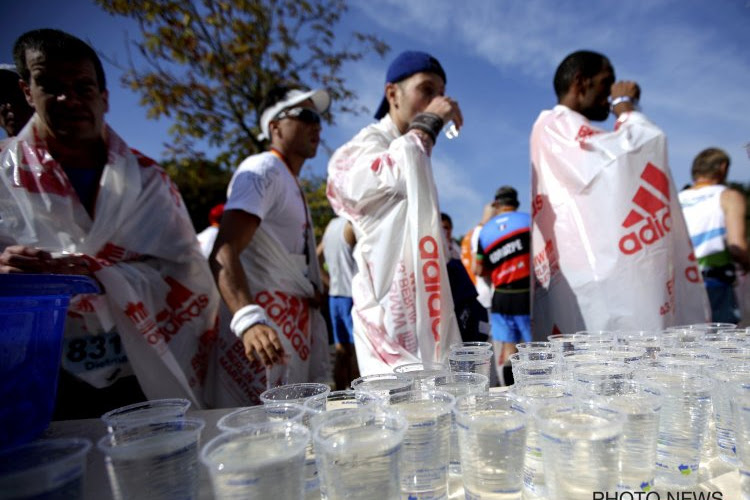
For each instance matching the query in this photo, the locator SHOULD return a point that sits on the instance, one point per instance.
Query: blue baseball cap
(406, 64)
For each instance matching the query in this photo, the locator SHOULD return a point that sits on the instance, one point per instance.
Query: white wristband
(246, 317)
(624, 98)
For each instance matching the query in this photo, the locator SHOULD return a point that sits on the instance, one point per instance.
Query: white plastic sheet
(160, 297)
(610, 246)
(403, 310)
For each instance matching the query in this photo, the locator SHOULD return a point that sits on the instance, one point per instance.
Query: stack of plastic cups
(426, 454)
(631, 355)
(155, 459)
(640, 403)
(495, 372)
(254, 415)
(581, 449)
(299, 393)
(686, 405)
(650, 340)
(531, 395)
(562, 342)
(458, 385)
(602, 378)
(528, 370)
(537, 351)
(492, 438)
(420, 371)
(741, 417)
(52, 469)
(382, 384)
(359, 453)
(265, 460)
(471, 359)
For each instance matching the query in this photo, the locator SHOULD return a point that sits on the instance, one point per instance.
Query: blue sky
(691, 58)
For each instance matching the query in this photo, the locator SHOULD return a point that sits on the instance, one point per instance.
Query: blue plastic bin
(33, 308)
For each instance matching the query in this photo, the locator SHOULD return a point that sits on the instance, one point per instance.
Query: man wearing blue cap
(382, 181)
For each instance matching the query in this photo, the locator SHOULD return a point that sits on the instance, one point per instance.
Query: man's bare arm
(733, 204)
(235, 233)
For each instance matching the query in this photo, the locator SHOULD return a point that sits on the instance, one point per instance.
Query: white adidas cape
(382, 181)
(610, 247)
(160, 305)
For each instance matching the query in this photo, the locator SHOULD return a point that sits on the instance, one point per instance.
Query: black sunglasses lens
(309, 116)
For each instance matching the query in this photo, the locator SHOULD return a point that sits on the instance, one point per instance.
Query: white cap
(320, 98)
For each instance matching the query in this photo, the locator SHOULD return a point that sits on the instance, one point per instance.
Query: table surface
(716, 476)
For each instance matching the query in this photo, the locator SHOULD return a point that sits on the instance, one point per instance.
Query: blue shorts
(340, 309)
(511, 328)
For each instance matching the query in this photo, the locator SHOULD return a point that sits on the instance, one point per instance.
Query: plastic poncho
(403, 311)
(160, 302)
(610, 247)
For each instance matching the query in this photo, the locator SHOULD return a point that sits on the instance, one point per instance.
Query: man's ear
(391, 92)
(26, 89)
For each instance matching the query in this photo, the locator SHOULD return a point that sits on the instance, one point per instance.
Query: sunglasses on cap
(305, 115)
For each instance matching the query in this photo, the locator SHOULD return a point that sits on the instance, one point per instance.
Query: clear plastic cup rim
(268, 396)
(295, 434)
(145, 435)
(228, 423)
(152, 409)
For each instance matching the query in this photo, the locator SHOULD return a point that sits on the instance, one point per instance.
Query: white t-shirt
(264, 186)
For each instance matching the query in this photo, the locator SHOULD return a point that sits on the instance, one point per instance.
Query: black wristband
(429, 123)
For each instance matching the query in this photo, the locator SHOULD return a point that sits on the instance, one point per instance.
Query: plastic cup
(154, 460)
(153, 410)
(650, 340)
(471, 360)
(255, 415)
(359, 453)
(530, 396)
(382, 384)
(483, 345)
(426, 454)
(581, 449)
(640, 403)
(293, 393)
(419, 371)
(492, 431)
(300, 393)
(602, 378)
(563, 341)
(52, 469)
(729, 381)
(527, 371)
(342, 400)
(458, 385)
(686, 405)
(741, 414)
(262, 461)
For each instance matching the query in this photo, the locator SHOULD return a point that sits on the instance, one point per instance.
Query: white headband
(320, 98)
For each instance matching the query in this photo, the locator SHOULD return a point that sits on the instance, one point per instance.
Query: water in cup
(153, 460)
(358, 453)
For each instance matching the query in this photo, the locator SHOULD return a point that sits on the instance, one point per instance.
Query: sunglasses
(305, 115)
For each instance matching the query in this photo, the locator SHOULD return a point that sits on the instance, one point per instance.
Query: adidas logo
(650, 219)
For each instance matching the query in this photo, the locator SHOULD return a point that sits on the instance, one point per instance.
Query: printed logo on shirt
(650, 219)
(428, 254)
(586, 131)
(292, 315)
(182, 306)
